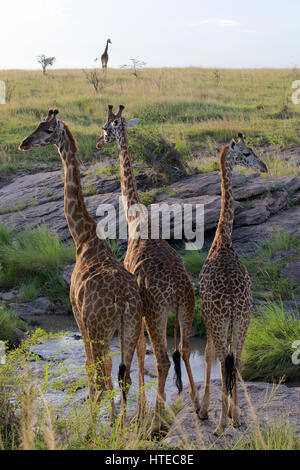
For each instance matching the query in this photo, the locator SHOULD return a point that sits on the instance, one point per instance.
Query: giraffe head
(109, 41)
(114, 127)
(51, 131)
(240, 154)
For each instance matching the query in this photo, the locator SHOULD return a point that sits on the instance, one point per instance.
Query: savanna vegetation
(189, 107)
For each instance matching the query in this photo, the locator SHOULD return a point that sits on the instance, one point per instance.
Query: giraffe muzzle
(100, 143)
(25, 145)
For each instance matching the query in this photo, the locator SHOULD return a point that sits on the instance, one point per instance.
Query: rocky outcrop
(260, 403)
(260, 203)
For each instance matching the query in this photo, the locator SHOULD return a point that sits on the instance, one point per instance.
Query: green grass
(193, 262)
(33, 260)
(267, 354)
(266, 274)
(9, 321)
(184, 106)
(278, 436)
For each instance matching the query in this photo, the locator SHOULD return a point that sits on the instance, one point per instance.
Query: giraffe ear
(132, 123)
(232, 144)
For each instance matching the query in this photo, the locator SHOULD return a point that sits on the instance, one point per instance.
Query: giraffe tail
(177, 357)
(122, 367)
(230, 373)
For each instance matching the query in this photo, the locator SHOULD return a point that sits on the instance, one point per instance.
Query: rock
(67, 273)
(292, 271)
(282, 254)
(260, 203)
(8, 296)
(150, 368)
(271, 404)
(253, 216)
(20, 335)
(246, 239)
(39, 306)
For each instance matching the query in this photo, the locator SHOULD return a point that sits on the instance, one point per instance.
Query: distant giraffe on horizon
(162, 278)
(225, 291)
(105, 57)
(105, 297)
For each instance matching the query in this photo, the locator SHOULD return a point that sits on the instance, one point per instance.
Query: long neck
(80, 223)
(106, 49)
(227, 211)
(128, 184)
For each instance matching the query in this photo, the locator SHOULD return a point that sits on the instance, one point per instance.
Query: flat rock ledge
(260, 403)
(260, 204)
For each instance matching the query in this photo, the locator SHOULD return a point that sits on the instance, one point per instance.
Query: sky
(162, 33)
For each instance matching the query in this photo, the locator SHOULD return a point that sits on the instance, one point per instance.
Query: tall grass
(183, 105)
(9, 321)
(268, 350)
(33, 259)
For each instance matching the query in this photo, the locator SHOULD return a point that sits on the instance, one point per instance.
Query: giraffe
(104, 296)
(162, 278)
(104, 57)
(225, 289)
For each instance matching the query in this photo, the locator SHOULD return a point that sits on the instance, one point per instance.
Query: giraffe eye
(116, 122)
(48, 131)
(247, 154)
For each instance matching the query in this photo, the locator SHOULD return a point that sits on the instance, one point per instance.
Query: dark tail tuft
(230, 373)
(177, 367)
(122, 371)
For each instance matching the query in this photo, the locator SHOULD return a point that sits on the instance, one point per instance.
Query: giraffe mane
(74, 146)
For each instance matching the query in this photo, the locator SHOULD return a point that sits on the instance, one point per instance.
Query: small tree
(45, 61)
(94, 79)
(135, 66)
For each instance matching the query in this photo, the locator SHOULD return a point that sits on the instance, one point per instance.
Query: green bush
(194, 261)
(268, 350)
(9, 321)
(33, 259)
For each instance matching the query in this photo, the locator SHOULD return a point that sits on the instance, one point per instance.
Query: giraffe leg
(132, 335)
(185, 350)
(157, 333)
(209, 358)
(141, 352)
(224, 411)
(234, 411)
(108, 367)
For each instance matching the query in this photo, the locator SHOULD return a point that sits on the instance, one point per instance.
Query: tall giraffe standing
(104, 296)
(163, 281)
(105, 57)
(225, 289)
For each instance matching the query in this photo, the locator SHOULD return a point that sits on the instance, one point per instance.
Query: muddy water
(72, 351)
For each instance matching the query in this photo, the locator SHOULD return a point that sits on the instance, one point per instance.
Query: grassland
(186, 106)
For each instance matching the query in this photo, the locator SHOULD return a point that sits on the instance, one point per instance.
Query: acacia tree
(135, 66)
(45, 61)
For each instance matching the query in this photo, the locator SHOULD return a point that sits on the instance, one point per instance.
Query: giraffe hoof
(219, 431)
(236, 423)
(203, 415)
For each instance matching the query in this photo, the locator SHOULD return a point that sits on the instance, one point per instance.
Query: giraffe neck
(81, 225)
(106, 49)
(128, 184)
(227, 211)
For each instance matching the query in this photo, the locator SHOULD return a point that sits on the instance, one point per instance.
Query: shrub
(268, 350)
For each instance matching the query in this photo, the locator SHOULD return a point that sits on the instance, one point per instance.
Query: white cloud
(249, 31)
(218, 22)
